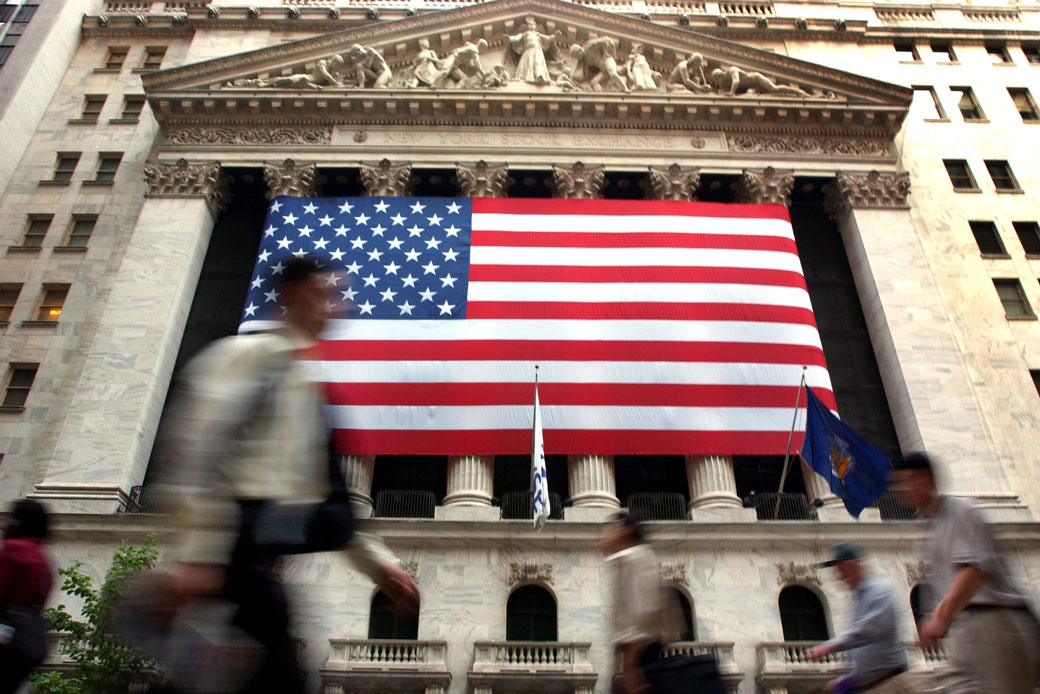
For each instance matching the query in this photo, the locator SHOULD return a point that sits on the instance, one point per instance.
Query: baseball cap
(844, 551)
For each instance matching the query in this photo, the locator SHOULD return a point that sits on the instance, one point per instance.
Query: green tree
(103, 664)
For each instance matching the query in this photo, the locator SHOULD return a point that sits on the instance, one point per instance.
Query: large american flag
(659, 327)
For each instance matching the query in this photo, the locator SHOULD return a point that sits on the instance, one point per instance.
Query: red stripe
(571, 239)
(568, 350)
(574, 310)
(654, 274)
(521, 206)
(591, 394)
(559, 441)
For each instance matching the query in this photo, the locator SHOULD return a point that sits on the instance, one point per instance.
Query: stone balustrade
(551, 666)
(723, 652)
(371, 664)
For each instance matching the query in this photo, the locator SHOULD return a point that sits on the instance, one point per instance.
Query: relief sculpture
(529, 53)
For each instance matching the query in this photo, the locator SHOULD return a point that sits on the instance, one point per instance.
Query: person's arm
(7, 564)
(372, 557)
(874, 620)
(966, 583)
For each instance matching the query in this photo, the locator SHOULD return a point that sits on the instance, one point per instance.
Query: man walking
(993, 638)
(873, 638)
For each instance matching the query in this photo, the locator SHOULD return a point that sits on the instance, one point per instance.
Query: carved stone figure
(689, 74)
(462, 68)
(733, 81)
(482, 180)
(386, 178)
(528, 53)
(326, 73)
(426, 67)
(368, 67)
(641, 77)
(596, 67)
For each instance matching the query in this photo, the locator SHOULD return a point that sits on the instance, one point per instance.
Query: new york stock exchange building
(147, 142)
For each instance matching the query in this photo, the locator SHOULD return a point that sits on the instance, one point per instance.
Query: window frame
(88, 116)
(27, 231)
(150, 51)
(111, 64)
(47, 303)
(1015, 188)
(1035, 375)
(967, 170)
(976, 226)
(900, 47)
(936, 103)
(99, 171)
(1002, 49)
(1013, 283)
(1032, 227)
(8, 287)
(944, 47)
(1032, 53)
(71, 234)
(12, 369)
(1032, 108)
(969, 94)
(130, 117)
(58, 170)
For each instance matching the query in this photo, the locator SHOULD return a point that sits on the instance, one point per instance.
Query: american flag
(659, 327)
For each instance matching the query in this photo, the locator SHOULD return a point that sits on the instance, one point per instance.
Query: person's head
(28, 519)
(531, 23)
(913, 479)
(847, 560)
(637, 48)
(623, 531)
(424, 44)
(306, 295)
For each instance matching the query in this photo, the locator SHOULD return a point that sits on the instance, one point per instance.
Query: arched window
(384, 623)
(689, 625)
(802, 616)
(916, 603)
(531, 615)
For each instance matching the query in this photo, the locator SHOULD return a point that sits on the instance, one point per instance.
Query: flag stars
(255, 284)
(284, 243)
(269, 231)
(445, 308)
(341, 230)
(433, 243)
(409, 280)
(271, 295)
(276, 206)
(430, 268)
(418, 207)
(454, 208)
(300, 253)
(388, 294)
(434, 220)
(277, 268)
(366, 308)
(346, 207)
(336, 255)
(398, 219)
(357, 243)
(353, 268)
(362, 218)
(392, 268)
(264, 256)
(310, 208)
(251, 309)
(452, 231)
(448, 281)
(412, 255)
(320, 244)
(449, 255)
(375, 254)
(406, 308)
(381, 206)
(325, 221)
(349, 293)
(395, 244)
(290, 218)
(426, 295)
(371, 280)
(414, 230)
(331, 280)
(378, 230)
(306, 230)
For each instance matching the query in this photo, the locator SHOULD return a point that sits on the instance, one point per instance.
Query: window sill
(996, 256)
(141, 70)
(1010, 191)
(124, 121)
(107, 70)
(952, 62)
(11, 410)
(83, 121)
(1004, 63)
(49, 182)
(911, 62)
(97, 184)
(936, 120)
(70, 249)
(1021, 318)
(967, 190)
(24, 249)
(976, 121)
(1033, 256)
(39, 324)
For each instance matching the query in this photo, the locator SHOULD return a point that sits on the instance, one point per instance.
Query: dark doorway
(531, 615)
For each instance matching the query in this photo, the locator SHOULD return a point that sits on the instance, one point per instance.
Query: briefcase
(684, 674)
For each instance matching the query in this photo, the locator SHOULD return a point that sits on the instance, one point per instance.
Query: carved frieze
(530, 572)
(181, 179)
(386, 178)
(780, 144)
(871, 190)
(248, 136)
(578, 182)
(290, 178)
(765, 186)
(482, 180)
(411, 568)
(674, 572)
(795, 572)
(673, 182)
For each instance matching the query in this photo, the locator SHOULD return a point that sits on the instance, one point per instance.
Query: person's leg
(13, 671)
(1008, 662)
(264, 615)
(957, 675)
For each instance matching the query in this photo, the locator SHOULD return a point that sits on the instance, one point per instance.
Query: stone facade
(241, 90)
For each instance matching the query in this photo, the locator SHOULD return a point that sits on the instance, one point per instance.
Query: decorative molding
(181, 178)
(674, 572)
(674, 182)
(765, 186)
(411, 568)
(850, 191)
(781, 144)
(528, 572)
(482, 180)
(795, 572)
(202, 135)
(579, 182)
(290, 178)
(916, 573)
(385, 178)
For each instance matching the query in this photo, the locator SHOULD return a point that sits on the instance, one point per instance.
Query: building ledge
(69, 249)
(83, 121)
(39, 324)
(786, 665)
(549, 666)
(49, 182)
(23, 249)
(384, 664)
(124, 121)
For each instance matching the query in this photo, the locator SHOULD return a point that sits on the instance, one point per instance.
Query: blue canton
(392, 258)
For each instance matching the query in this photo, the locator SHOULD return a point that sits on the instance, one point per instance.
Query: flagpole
(790, 438)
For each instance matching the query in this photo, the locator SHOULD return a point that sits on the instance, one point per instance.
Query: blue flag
(857, 472)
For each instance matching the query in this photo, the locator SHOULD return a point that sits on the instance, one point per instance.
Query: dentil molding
(183, 179)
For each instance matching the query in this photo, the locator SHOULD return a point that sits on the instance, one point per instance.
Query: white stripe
(499, 417)
(519, 371)
(753, 332)
(636, 257)
(633, 224)
(694, 293)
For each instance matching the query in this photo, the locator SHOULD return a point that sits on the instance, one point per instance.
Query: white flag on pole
(539, 479)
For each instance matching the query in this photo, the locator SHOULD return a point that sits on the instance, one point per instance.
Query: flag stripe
(573, 310)
(604, 292)
(593, 257)
(649, 274)
(627, 208)
(628, 239)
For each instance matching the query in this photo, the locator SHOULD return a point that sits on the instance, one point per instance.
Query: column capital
(578, 182)
(852, 190)
(674, 182)
(184, 179)
(292, 178)
(766, 185)
(482, 180)
(386, 178)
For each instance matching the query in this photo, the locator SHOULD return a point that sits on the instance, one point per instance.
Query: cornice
(136, 26)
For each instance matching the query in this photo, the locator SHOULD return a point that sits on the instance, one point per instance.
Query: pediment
(542, 62)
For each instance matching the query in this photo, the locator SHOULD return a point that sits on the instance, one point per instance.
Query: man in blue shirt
(878, 657)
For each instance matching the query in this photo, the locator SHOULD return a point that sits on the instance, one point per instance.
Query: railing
(789, 658)
(384, 654)
(531, 655)
(519, 505)
(793, 507)
(891, 507)
(926, 658)
(152, 498)
(657, 506)
(395, 503)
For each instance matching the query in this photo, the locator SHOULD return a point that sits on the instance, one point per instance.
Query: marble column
(713, 489)
(290, 178)
(817, 488)
(357, 470)
(673, 183)
(578, 181)
(114, 408)
(482, 180)
(760, 186)
(387, 179)
(470, 486)
(591, 482)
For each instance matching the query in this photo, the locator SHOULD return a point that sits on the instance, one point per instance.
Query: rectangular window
(1011, 296)
(153, 57)
(116, 57)
(132, 107)
(1003, 180)
(20, 378)
(35, 230)
(988, 238)
(929, 101)
(999, 53)
(5, 52)
(1032, 52)
(960, 174)
(906, 51)
(79, 232)
(1029, 236)
(92, 106)
(107, 166)
(65, 166)
(51, 301)
(1035, 375)
(1023, 101)
(6, 11)
(943, 53)
(24, 14)
(967, 104)
(8, 298)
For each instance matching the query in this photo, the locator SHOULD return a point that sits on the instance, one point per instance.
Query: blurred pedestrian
(993, 637)
(251, 425)
(878, 656)
(25, 582)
